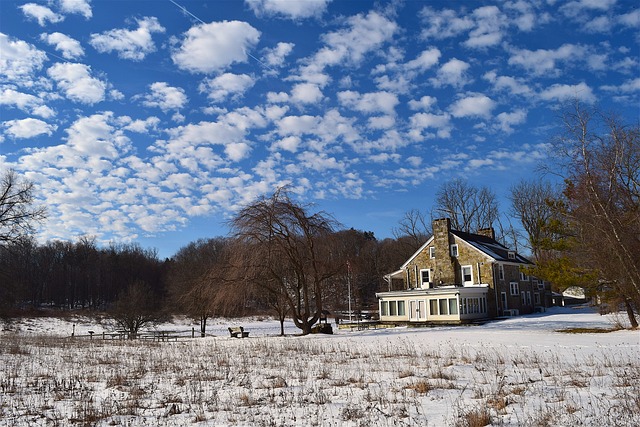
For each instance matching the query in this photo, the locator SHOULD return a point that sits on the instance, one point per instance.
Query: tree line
(284, 257)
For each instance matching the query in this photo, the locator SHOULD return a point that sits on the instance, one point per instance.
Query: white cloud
(165, 97)
(628, 86)
(362, 35)
(514, 86)
(289, 9)
(372, 102)
(443, 24)
(425, 103)
(81, 7)
(76, 82)
(630, 19)
(211, 47)
(453, 73)
(543, 61)
(489, 27)
(42, 14)
(129, 44)
(25, 102)
(424, 61)
(28, 128)
(275, 57)
(20, 60)
(69, 47)
(226, 85)
(563, 92)
(289, 143)
(473, 106)
(306, 93)
(381, 122)
(506, 121)
(421, 121)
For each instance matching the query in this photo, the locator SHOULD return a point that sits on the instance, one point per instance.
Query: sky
(154, 121)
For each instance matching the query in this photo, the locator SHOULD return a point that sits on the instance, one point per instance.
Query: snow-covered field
(517, 372)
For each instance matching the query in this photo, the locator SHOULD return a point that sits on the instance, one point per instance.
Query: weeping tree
(286, 249)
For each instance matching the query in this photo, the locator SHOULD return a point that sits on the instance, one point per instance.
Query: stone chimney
(444, 267)
(487, 232)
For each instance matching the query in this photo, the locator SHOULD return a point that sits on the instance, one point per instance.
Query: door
(417, 311)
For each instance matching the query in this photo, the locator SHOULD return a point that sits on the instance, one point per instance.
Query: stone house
(458, 277)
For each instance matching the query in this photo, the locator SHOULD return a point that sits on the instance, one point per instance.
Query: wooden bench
(238, 332)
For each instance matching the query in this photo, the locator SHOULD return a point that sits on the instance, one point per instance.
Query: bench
(238, 332)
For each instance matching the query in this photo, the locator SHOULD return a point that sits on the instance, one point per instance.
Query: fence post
(193, 332)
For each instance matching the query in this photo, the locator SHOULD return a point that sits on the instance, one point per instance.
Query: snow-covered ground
(520, 371)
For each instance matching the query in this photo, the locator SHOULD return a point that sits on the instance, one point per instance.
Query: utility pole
(349, 287)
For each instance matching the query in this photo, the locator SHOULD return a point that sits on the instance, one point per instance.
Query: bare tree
(531, 205)
(136, 307)
(196, 279)
(414, 228)
(470, 208)
(17, 211)
(286, 250)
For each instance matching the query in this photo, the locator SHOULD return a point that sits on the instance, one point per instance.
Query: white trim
(464, 282)
(453, 250)
(416, 253)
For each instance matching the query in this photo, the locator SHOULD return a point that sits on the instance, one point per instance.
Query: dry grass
(307, 381)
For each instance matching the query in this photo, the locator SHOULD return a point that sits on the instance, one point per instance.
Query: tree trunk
(203, 326)
(631, 314)
(281, 327)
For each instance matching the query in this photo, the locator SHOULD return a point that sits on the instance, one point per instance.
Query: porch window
(384, 308)
(453, 306)
(514, 288)
(444, 307)
(432, 252)
(433, 307)
(467, 275)
(393, 308)
(401, 311)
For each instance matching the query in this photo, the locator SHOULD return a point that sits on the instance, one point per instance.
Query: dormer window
(511, 255)
(454, 250)
(432, 252)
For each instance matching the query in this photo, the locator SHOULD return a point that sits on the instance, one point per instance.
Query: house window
(524, 298)
(523, 277)
(425, 276)
(500, 271)
(514, 288)
(432, 252)
(401, 311)
(528, 297)
(454, 250)
(503, 298)
(511, 255)
(384, 308)
(536, 298)
(433, 307)
(467, 275)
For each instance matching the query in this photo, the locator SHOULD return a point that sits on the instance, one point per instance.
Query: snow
(516, 371)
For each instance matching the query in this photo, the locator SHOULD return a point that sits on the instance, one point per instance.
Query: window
(470, 305)
(467, 275)
(453, 306)
(503, 298)
(454, 250)
(528, 297)
(384, 308)
(536, 298)
(433, 307)
(500, 271)
(432, 252)
(524, 299)
(425, 276)
(393, 308)
(511, 255)
(401, 311)
(514, 288)
(523, 277)
(444, 307)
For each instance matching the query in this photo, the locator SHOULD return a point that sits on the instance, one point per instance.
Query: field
(515, 372)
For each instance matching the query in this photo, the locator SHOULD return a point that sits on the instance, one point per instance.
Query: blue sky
(154, 121)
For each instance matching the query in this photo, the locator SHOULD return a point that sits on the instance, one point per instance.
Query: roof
(491, 247)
